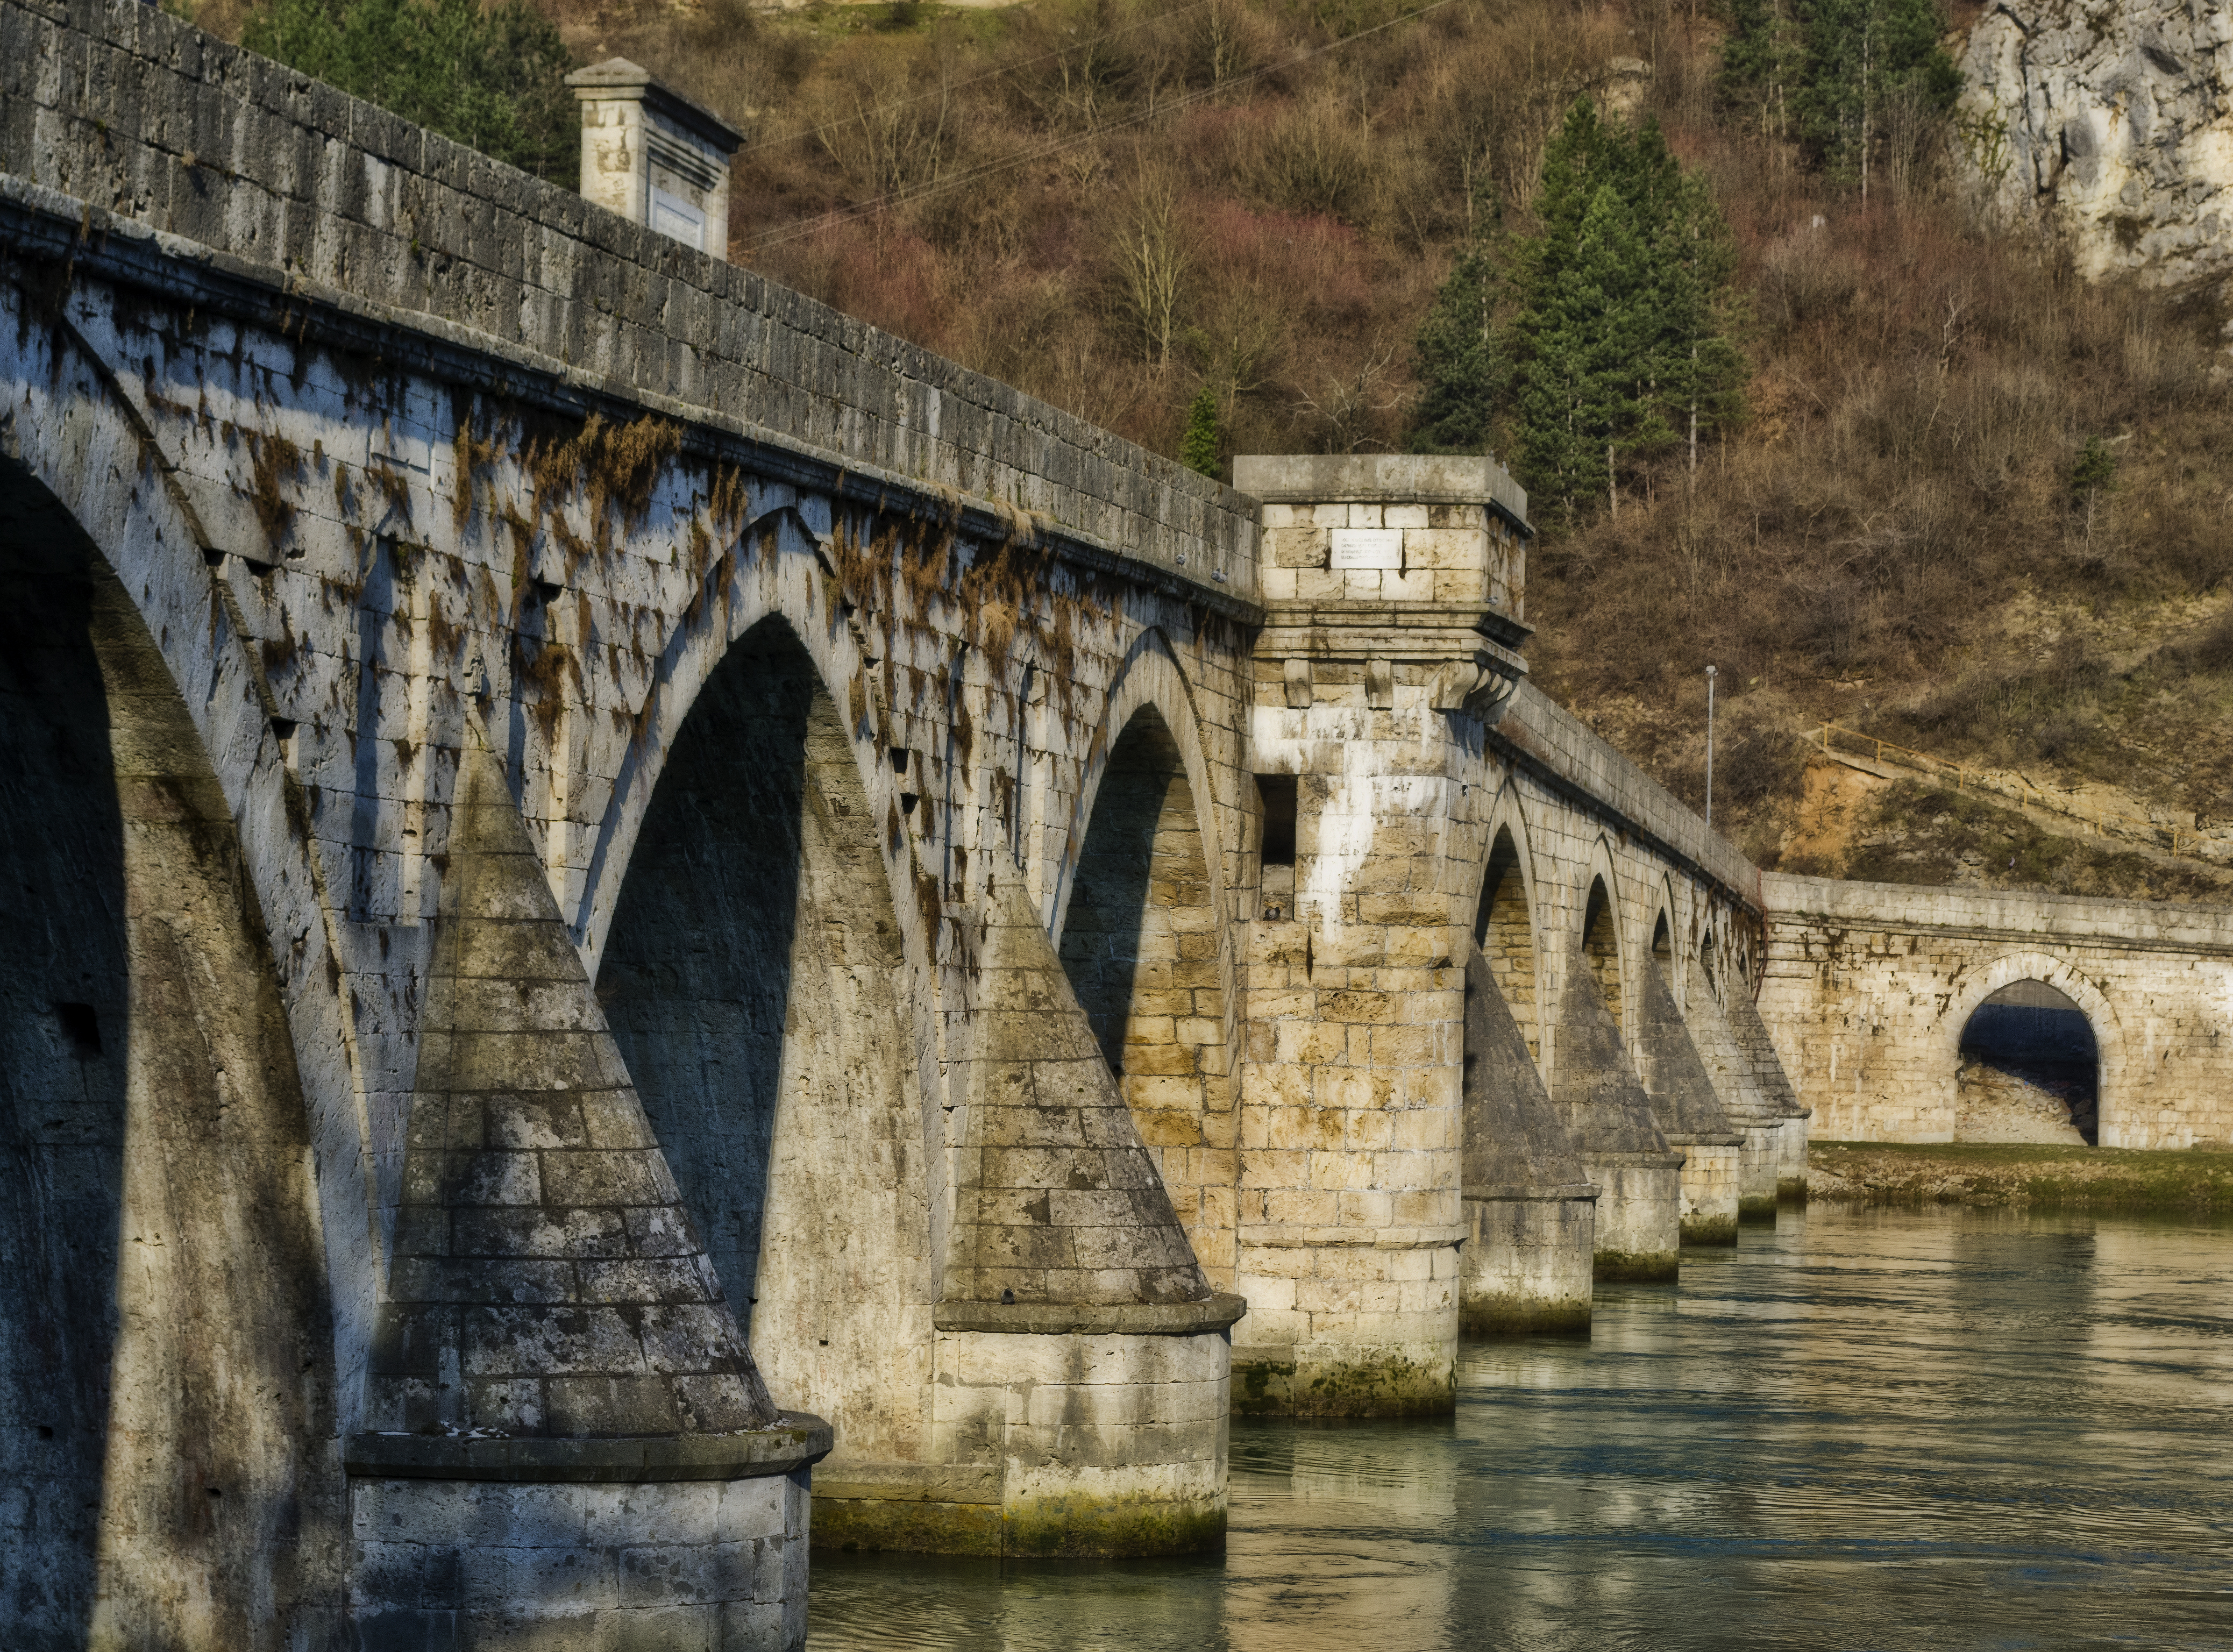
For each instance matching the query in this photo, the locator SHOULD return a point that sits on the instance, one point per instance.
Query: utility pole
(1709, 748)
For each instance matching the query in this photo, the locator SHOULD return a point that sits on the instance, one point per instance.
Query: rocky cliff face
(2110, 121)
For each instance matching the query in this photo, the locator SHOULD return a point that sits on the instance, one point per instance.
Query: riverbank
(1996, 1174)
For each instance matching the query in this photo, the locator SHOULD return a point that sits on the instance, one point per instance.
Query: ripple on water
(1872, 1428)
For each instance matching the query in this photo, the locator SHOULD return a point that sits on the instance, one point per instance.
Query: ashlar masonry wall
(1868, 987)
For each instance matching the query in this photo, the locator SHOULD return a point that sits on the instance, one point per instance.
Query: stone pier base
(1791, 1165)
(1525, 1265)
(1757, 1172)
(1343, 1329)
(1711, 1174)
(576, 1546)
(1638, 1215)
(1062, 1431)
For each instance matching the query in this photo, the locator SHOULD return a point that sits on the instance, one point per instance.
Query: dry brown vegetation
(1111, 203)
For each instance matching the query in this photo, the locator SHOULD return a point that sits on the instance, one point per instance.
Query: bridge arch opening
(165, 1337)
(1140, 947)
(754, 980)
(1601, 945)
(1505, 930)
(2030, 1070)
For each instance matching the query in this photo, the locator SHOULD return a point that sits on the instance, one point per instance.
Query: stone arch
(1605, 949)
(1141, 946)
(166, 1326)
(753, 975)
(1663, 942)
(1973, 986)
(1151, 677)
(1505, 921)
(779, 577)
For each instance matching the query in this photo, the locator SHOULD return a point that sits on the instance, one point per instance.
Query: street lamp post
(1709, 748)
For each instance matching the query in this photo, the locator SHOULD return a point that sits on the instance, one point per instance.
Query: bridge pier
(1392, 586)
(1083, 1361)
(1638, 1232)
(565, 1436)
(1688, 1112)
(1531, 1212)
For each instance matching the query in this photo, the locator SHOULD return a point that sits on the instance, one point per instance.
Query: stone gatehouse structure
(654, 926)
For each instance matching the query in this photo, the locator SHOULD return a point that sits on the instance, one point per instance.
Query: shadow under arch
(1601, 949)
(1504, 925)
(1977, 988)
(1140, 944)
(753, 977)
(2030, 1070)
(166, 1339)
(1149, 678)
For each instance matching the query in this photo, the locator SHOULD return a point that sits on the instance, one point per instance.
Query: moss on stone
(1648, 1265)
(1519, 1316)
(1709, 1230)
(911, 1524)
(1088, 1527)
(1261, 1388)
(1389, 1387)
(1758, 1208)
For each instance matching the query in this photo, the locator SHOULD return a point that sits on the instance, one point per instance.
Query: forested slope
(1945, 492)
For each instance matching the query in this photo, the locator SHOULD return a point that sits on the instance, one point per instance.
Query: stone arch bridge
(638, 907)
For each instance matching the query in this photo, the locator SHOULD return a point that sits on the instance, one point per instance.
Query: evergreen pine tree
(1462, 372)
(1586, 349)
(1198, 448)
(1858, 56)
(1618, 346)
(1757, 57)
(493, 80)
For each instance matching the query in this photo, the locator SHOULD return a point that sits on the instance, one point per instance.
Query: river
(1863, 1429)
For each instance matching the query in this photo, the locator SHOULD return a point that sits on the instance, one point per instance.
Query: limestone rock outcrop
(2109, 121)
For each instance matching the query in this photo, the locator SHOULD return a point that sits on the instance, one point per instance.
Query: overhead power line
(898, 198)
(989, 74)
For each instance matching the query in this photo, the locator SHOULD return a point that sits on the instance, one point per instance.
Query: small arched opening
(2030, 1071)
(1662, 944)
(1506, 934)
(1139, 944)
(1601, 945)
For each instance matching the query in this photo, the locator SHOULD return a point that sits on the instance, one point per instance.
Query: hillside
(1113, 204)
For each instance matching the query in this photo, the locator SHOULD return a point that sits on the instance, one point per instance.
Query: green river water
(1861, 1428)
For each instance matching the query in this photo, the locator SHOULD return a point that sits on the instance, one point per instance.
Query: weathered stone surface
(1530, 1205)
(168, 1472)
(1689, 1111)
(1056, 1199)
(2111, 122)
(1870, 986)
(545, 1283)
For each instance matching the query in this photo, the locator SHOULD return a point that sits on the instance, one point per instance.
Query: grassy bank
(1993, 1173)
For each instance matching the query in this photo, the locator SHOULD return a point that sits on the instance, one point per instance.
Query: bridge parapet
(139, 115)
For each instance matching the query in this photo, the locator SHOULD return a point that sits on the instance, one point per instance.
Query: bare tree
(1154, 254)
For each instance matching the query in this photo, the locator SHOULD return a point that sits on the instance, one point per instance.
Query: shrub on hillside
(493, 78)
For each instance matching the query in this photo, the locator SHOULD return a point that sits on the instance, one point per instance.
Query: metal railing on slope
(1973, 778)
